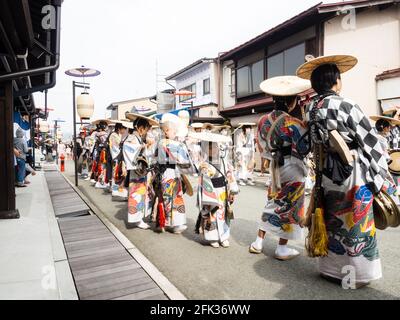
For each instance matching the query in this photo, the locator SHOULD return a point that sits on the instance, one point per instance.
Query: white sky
(124, 39)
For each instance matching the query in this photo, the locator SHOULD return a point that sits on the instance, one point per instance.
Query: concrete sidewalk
(33, 262)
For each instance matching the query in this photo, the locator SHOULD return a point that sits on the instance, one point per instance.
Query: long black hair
(324, 78)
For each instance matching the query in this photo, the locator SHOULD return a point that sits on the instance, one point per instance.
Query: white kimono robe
(138, 200)
(118, 190)
(245, 156)
(214, 224)
(174, 152)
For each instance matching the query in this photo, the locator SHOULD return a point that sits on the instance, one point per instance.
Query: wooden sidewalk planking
(66, 202)
(101, 266)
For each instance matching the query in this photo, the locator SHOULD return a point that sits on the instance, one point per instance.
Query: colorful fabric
(174, 152)
(285, 208)
(348, 207)
(137, 201)
(288, 132)
(343, 115)
(394, 138)
(212, 201)
(114, 143)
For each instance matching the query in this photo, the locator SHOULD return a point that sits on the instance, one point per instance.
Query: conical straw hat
(343, 62)
(285, 86)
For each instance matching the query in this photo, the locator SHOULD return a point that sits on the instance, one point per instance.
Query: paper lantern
(85, 106)
(44, 127)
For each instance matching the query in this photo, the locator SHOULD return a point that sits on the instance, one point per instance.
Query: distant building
(369, 30)
(145, 106)
(200, 78)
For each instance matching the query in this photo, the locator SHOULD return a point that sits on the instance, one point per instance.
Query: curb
(165, 285)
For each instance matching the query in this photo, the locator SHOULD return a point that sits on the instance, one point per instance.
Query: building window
(191, 88)
(249, 78)
(233, 82)
(206, 86)
(286, 62)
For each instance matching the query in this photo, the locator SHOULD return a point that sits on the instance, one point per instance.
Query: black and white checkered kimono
(394, 138)
(348, 207)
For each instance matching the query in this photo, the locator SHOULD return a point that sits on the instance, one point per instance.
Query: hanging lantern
(59, 135)
(85, 106)
(44, 127)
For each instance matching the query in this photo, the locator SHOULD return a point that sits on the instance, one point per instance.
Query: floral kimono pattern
(171, 152)
(214, 224)
(348, 207)
(285, 207)
(137, 194)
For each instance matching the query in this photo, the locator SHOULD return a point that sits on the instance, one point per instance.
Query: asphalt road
(202, 272)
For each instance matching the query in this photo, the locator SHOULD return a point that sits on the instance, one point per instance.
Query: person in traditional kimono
(393, 139)
(348, 194)
(88, 146)
(217, 189)
(118, 190)
(101, 155)
(245, 152)
(134, 150)
(279, 139)
(394, 135)
(174, 160)
(194, 145)
(93, 155)
(383, 127)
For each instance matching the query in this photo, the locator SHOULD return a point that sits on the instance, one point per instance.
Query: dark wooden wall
(7, 173)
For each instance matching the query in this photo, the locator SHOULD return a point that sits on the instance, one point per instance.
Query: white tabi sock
(283, 251)
(258, 244)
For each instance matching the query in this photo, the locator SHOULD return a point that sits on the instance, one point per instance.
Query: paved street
(201, 272)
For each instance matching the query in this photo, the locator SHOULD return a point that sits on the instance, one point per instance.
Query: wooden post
(7, 169)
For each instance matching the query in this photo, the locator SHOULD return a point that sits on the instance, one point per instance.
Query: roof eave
(189, 68)
(340, 6)
(294, 20)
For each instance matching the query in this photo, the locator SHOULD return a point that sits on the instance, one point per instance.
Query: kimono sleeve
(230, 176)
(114, 145)
(184, 160)
(131, 151)
(297, 129)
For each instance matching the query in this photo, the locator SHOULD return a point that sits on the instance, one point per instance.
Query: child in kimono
(279, 134)
(245, 155)
(216, 193)
(118, 191)
(134, 148)
(173, 158)
(101, 155)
